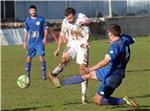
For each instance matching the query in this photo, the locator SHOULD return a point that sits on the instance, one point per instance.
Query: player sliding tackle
(75, 29)
(110, 70)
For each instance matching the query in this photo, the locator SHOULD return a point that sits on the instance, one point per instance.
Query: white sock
(84, 87)
(58, 69)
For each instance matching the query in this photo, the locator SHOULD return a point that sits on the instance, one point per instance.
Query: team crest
(38, 23)
(111, 52)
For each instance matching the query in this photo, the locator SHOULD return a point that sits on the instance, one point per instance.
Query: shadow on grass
(140, 108)
(141, 96)
(75, 103)
(141, 70)
(27, 109)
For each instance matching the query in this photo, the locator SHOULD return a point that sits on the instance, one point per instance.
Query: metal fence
(18, 10)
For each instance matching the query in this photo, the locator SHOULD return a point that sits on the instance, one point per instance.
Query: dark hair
(32, 7)
(69, 10)
(114, 29)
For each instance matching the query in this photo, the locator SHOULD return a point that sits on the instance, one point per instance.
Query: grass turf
(41, 96)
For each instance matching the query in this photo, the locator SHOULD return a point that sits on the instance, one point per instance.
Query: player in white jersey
(75, 29)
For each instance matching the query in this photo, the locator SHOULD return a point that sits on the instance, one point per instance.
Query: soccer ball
(23, 81)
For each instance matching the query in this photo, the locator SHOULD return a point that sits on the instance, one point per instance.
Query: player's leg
(82, 59)
(43, 67)
(30, 53)
(83, 85)
(107, 88)
(102, 97)
(41, 53)
(104, 92)
(66, 57)
(77, 79)
(60, 67)
(28, 66)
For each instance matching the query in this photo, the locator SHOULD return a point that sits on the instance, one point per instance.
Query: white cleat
(55, 81)
(84, 99)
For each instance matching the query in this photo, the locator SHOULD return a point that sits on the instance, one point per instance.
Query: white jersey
(74, 32)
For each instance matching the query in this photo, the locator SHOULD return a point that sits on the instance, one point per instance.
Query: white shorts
(78, 50)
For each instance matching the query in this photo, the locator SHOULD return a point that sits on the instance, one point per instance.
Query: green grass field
(41, 96)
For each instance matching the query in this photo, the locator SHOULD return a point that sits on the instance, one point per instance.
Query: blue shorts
(109, 84)
(39, 48)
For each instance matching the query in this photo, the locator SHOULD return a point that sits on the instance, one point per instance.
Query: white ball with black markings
(23, 82)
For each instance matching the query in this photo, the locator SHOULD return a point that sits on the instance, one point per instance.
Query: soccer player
(110, 70)
(75, 29)
(35, 27)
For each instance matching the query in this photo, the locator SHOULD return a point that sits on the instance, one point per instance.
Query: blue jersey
(112, 74)
(35, 28)
(119, 52)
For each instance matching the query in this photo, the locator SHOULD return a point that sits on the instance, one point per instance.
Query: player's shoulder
(115, 44)
(81, 15)
(64, 21)
(27, 19)
(41, 18)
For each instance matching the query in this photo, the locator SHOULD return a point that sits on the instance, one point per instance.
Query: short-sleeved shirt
(119, 53)
(67, 29)
(112, 74)
(35, 28)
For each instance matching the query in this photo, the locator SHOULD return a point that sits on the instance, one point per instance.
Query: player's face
(32, 12)
(70, 18)
(110, 35)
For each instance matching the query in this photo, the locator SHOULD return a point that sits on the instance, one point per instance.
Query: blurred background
(17, 10)
(132, 15)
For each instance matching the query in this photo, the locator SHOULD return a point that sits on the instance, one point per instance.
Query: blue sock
(43, 65)
(28, 67)
(76, 79)
(113, 101)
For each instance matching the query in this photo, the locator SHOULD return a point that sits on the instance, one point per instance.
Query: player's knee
(97, 99)
(29, 59)
(87, 76)
(82, 68)
(41, 58)
(64, 61)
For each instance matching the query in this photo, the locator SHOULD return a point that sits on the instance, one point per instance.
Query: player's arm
(25, 39)
(100, 64)
(111, 56)
(26, 29)
(45, 27)
(60, 39)
(45, 36)
(84, 20)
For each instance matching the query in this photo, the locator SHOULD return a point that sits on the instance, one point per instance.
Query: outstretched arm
(100, 64)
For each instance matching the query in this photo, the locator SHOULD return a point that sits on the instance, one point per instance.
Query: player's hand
(44, 41)
(56, 53)
(86, 70)
(25, 45)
